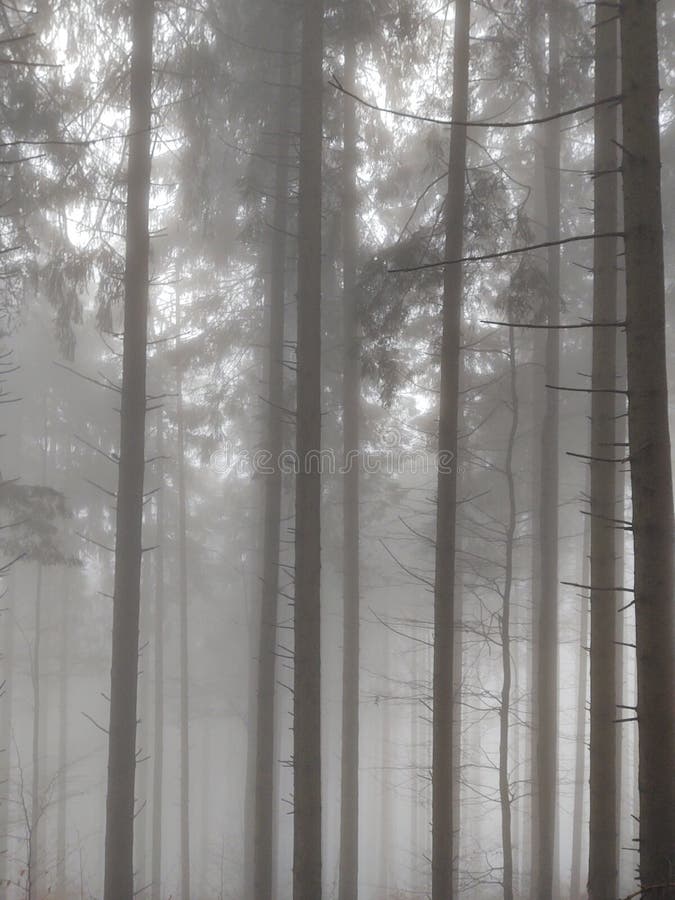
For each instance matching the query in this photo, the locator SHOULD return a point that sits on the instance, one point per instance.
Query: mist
(336, 505)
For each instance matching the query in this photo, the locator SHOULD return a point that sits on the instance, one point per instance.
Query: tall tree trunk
(442, 860)
(457, 670)
(206, 775)
(183, 622)
(385, 848)
(62, 771)
(415, 777)
(547, 638)
(603, 833)
(505, 705)
(119, 882)
(38, 721)
(158, 659)
(578, 821)
(623, 799)
(32, 873)
(6, 711)
(307, 664)
(351, 388)
(143, 737)
(649, 442)
(275, 297)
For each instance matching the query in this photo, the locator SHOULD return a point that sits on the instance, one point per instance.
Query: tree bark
(505, 705)
(649, 443)
(183, 621)
(307, 658)
(443, 862)
(351, 388)
(385, 817)
(62, 771)
(32, 875)
(158, 661)
(578, 822)
(275, 298)
(119, 883)
(32, 879)
(141, 876)
(603, 832)
(546, 713)
(6, 709)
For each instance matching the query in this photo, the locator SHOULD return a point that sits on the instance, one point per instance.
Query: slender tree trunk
(457, 670)
(62, 771)
(6, 711)
(603, 833)
(578, 823)
(505, 705)
(205, 804)
(351, 388)
(517, 807)
(119, 882)
(385, 849)
(622, 792)
(275, 291)
(415, 778)
(532, 662)
(158, 660)
(183, 623)
(547, 637)
(32, 874)
(649, 443)
(442, 861)
(307, 665)
(36, 675)
(141, 876)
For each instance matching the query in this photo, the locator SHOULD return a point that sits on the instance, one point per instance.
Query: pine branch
(473, 123)
(504, 253)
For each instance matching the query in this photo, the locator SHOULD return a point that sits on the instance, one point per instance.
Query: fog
(325, 520)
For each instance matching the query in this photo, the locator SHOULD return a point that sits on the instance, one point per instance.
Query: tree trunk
(6, 746)
(62, 771)
(457, 670)
(546, 723)
(32, 876)
(649, 442)
(32, 873)
(183, 622)
(415, 798)
(158, 659)
(385, 817)
(206, 776)
(444, 589)
(351, 388)
(624, 806)
(119, 882)
(275, 293)
(143, 737)
(603, 832)
(505, 705)
(578, 822)
(307, 664)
